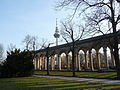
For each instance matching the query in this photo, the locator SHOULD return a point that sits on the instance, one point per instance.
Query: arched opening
(93, 62)
(56, 61)
(82, 59)
(101, 57)
(63, 61)
(42, 62)
(105, 58)
(109, 60)
(93, 51)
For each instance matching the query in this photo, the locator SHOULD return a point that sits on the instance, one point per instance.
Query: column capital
(104, 49)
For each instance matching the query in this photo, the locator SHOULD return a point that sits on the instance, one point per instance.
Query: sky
(19, 18)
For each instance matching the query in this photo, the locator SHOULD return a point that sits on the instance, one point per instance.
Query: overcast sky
(21, 17)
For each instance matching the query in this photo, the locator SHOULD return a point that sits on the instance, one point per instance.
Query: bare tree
(11, 47)
(44, 43)
(1, 52)
(27, 41)
(99, 11)
(31, 42)
(70, 34)
(34, 43)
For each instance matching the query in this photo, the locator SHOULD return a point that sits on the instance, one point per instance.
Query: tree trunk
(116, 55)
(73, 60)
(116, 50)
(47, 61)
(115, 37)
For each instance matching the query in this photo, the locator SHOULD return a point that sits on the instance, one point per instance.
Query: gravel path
(83, 79)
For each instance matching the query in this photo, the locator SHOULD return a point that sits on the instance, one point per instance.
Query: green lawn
(37, 83)
(103, 75)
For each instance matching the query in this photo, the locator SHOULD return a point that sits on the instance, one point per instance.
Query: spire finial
(56, 27)
(56, 35)
(56, 22)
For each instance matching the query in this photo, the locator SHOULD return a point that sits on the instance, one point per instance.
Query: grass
(102, 75)
(38, 83)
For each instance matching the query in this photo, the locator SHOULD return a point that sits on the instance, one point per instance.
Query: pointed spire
(56, 22)
(56, 27)
(56, 35)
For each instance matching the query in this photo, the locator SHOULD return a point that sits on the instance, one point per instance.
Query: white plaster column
(45, 58)
(98, 60)
(39, 63)
(43, 63)
(78, 61)
(59, 62)
(86, 60)
(91, 60)
(35, 63)
(105, 57)
(52, 62)
(68, 61)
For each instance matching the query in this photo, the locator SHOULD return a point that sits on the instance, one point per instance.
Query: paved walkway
(83, 79)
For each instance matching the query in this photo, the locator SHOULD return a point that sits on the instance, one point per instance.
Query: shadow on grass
(37, 83)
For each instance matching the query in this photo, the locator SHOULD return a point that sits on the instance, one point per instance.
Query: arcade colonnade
(85, 59)
(89, 59)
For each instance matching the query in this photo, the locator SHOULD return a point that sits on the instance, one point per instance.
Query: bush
(18, 64)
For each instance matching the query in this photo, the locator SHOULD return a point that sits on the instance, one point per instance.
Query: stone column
(35, 63)
(45, 63)
(91, 61)
(98, 60)
(105, 57)
(86, 60)
(68, 61)
(59, 62)
(78, 62)
(52, 63)
(39, 63)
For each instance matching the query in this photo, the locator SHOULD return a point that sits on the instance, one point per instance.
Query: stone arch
(82, 59)
(109, 58)
(53, 53)
(61, 51)
(69, 57)
(101, 57)
(54, 61)
(63, 61)
(93, 52)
